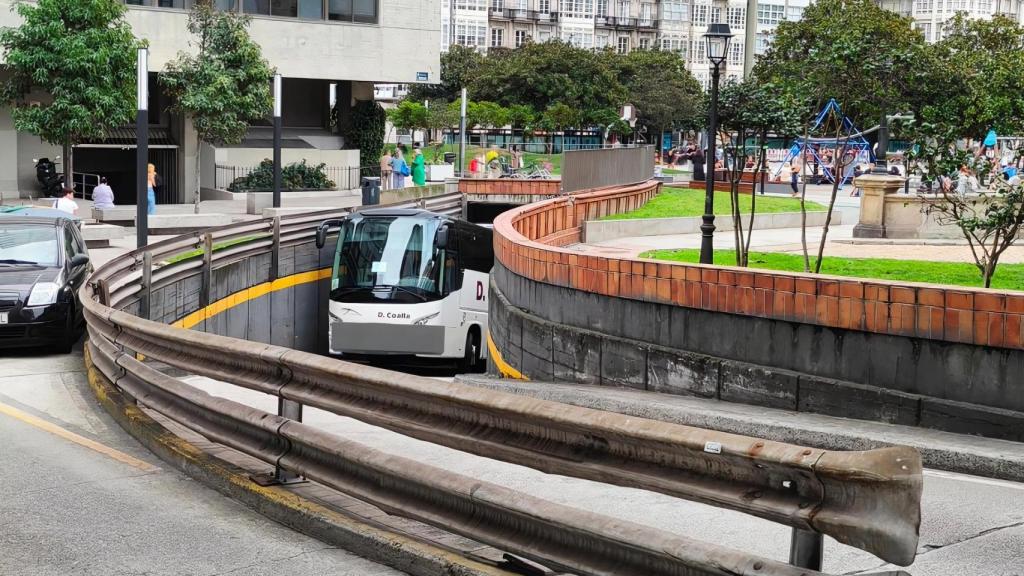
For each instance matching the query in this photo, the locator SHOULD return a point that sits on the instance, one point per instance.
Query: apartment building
(930, 16)
(323, 48)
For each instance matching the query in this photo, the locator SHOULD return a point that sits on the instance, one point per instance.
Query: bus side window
(478, 251)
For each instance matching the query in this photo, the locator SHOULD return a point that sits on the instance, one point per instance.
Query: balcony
(616, 22)
(543, 17)
(500, 13)
(647, 24)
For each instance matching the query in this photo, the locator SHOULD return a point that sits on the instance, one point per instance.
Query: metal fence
(84, 184)
(867, 499)
(344, 177)
(586, 169)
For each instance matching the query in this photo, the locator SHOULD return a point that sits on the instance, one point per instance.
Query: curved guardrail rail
(869, 499)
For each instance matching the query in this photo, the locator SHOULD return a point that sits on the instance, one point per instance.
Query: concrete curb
(939, 450)
(349, 533)
(605, 230)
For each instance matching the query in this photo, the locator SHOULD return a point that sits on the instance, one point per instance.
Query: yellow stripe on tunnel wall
(503, 367)
(225, 304)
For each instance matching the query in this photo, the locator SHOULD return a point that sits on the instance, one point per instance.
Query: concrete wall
(312, 49)
(551, 333)
(938, 356)
(602, 230)
(8, 156)
(588, 169)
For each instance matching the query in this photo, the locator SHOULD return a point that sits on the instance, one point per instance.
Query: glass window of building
(735, 53)
(623, 9)
(471, 5)
(770, 13)
(761, 43)
(737, 17)
(520, 38)
(601, 8)
(577, 8)
(623, 46)
(675, 11)
(497, 37)
(700, 15)
(544, 6)
(716, 15)
(579, 37)
(645, 43)
(470, 34)
(646, 14)
(352, 10)
(794, 13)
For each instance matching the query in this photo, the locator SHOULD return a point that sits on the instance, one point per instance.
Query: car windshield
(28, 244)
(387, 258)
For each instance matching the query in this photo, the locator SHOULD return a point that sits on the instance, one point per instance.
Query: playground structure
(816, 150)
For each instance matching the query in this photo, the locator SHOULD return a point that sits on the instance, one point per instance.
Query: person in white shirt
(102, 195)
(67, 202)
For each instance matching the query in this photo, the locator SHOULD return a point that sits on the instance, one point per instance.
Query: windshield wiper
(404, 289)
(16, 261)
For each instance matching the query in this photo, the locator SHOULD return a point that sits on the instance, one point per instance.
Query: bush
(295, 176)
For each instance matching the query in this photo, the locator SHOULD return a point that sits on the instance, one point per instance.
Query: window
(544, 6)
(927, 29)
(737, 17)
(716, 15)
(497, 37)
(736, 53)
(770, 13)
(497, 4)
(675, 44)
(646, 14)
(624, 9)
(479, 5)
(761, 43)
(623, 45)
(579, 37)
(675, 11)
(365, 11)
(601, 41)
(470, 34)
(794, 13)
(984, 7)
(520, 38)
(645, 43)
(923, 6)
(601, 8)
(700, 15)
(577, 8)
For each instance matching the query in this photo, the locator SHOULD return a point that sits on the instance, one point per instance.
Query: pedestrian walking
(419, 170)
(697, 158)
(794, 177)
(385, 170)
(153, 181)
(66, 203)
(399, 169)
(102, 195)
(516, 160)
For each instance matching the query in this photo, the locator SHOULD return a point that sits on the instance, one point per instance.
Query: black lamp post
(277, 141)
(717, 39)
(882, 150)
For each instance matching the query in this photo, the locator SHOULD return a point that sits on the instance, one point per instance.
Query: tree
(487, 115)
(542, 74)
(225, 85)
(442, 116)
(867, 58)
(459, 65)
(664, 92)
(558, 117)
(408, 115)
(82, 54)
(364, 131)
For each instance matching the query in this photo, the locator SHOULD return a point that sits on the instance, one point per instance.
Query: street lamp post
(142, 150)
(882, 150)
(717, 39)
(277, 141)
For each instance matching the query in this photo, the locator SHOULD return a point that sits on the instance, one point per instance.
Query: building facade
(323, 48)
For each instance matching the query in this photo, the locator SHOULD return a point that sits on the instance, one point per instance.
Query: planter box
(440, 172)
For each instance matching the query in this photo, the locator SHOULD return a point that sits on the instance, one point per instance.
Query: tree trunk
(758, 169)
(199, 179)
(837, 177)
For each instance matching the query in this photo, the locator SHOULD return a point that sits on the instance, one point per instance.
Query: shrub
(295, 176)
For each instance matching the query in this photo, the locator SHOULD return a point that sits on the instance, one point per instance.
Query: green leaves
(365, 131)
(226, 84)
(77, 58)
(295, 176)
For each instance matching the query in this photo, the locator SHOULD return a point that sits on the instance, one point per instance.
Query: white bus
(410, 283)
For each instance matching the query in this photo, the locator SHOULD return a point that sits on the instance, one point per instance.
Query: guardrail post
(806, 549)
(206, 288)
(146, 292)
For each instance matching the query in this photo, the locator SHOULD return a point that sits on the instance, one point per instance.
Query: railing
(868, 499)
(344, 177)
(84, 184)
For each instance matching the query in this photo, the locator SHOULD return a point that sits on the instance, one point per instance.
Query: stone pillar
(874, 188)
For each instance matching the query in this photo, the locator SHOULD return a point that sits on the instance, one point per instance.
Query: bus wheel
(471, 359)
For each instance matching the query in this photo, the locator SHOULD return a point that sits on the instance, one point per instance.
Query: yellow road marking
(252, 293)
(503, 367)
(80, 440)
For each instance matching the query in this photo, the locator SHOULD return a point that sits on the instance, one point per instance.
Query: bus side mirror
(442, 238)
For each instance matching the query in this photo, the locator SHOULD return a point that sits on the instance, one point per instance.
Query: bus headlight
(425, 319)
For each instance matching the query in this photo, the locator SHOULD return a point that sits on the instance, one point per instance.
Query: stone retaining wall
(920, 354)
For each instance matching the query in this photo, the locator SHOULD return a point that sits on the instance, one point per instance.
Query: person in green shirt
(419, 171)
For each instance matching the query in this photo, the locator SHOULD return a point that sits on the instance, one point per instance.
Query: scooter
(50, 181)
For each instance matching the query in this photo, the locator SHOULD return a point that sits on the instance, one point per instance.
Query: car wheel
(471, 358)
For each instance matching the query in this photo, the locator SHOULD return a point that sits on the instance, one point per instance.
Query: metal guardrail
(869, 499)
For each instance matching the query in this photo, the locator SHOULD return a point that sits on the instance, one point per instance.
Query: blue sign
(666, 141)
(422, 76)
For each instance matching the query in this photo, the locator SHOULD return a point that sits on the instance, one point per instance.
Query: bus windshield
(388, 258)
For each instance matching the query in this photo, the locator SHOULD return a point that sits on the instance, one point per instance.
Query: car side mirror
(79, 260)
(442, 238)
(321, 235)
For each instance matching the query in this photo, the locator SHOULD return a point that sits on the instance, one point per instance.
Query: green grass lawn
(1008, 276)
(677, 202)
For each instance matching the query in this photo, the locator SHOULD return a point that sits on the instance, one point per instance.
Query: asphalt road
(970, 527)
(78, 496)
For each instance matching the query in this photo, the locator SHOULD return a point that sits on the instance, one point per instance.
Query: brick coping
(530, 241)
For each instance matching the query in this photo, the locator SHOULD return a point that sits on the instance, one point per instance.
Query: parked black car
(43, 263)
